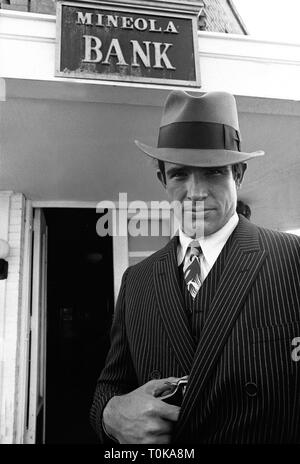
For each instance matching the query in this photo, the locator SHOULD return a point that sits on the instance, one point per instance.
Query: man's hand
(139, 417)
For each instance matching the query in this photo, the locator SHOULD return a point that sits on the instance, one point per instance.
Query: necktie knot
(195, 249)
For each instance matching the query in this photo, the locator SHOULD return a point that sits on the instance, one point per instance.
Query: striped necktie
(192, 268)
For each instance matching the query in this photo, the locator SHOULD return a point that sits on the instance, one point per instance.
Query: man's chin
(195, 229)
(200, 228)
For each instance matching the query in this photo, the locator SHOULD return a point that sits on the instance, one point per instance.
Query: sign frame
(130, 8)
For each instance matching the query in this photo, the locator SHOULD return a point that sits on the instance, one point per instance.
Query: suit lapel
(171, 306)
(243, 263)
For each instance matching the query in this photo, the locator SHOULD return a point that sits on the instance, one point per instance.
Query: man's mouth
(199, 210)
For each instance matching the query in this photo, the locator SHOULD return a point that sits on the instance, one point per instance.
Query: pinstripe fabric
(243, 386)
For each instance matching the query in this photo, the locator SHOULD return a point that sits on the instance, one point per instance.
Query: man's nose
(197, 189)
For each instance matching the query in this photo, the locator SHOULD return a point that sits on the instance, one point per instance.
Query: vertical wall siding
(10, 316)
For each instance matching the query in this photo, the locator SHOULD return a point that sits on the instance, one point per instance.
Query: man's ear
(239, 174)
(161, 178)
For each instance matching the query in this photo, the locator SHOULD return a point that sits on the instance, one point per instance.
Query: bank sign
(129, 43)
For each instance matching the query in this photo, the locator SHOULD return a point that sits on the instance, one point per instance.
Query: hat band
(201, 135)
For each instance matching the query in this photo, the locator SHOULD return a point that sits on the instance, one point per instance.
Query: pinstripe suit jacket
(244, 386)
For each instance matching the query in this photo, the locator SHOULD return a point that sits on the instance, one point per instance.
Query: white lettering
(171, 453)
(160, 212)
(115, 454)
(92, 44)
(137, 51)
(85, 18)
(137, 226)
(127, 22)
(106, 222)
(171, 28)
(140, 24)
(122, 225)
(115, 50)
(112, 20)
(153, 26)
(162, 55)
(296, 351)
(100, 20)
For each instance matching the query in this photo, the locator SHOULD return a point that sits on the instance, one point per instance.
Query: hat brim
(197, 157)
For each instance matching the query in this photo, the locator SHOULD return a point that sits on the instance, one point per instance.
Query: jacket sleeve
(118, 376)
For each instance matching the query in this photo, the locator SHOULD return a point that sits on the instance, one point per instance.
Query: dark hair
(236, 170)
(161, 167)
(244, 209)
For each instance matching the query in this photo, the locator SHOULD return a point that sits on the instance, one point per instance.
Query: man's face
(208, 196)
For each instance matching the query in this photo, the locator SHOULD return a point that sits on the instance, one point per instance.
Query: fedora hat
(199, 131)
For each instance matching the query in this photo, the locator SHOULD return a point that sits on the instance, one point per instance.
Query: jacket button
(251, 389)
(155, 375)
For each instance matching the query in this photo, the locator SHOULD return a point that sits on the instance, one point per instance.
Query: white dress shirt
(211, 245)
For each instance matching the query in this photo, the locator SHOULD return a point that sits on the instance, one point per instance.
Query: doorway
(80, 306)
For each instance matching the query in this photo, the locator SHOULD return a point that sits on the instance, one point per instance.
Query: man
(219, 304)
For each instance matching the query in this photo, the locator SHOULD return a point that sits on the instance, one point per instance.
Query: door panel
(37, 362)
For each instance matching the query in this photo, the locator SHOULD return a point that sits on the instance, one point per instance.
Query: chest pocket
(277, 348)
(274, 333)
(283, 340)
(275, 356)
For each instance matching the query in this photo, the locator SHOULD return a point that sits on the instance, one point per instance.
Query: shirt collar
(211, 245)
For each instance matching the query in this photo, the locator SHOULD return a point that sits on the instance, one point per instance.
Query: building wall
(33, 6)
(49, 107)
(12, 207)
(217, 15)
(221, 16)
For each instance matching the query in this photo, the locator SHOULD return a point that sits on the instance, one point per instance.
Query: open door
(80, 307)
(37, 363)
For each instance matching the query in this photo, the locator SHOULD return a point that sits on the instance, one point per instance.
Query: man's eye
(215, 172)
(178, 175)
